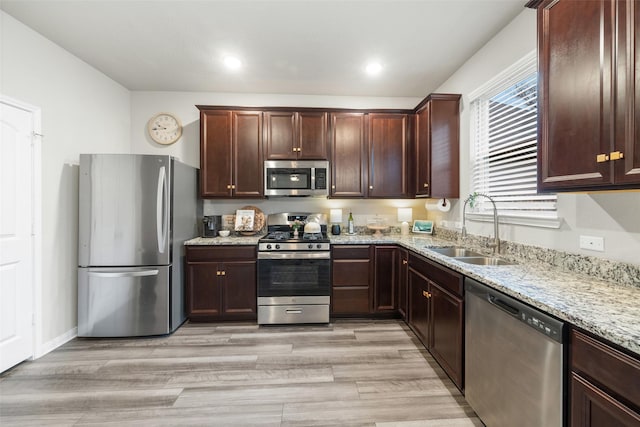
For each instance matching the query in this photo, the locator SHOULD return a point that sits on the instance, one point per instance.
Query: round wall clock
(164, 128)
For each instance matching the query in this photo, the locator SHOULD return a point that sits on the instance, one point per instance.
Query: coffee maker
(211, 224)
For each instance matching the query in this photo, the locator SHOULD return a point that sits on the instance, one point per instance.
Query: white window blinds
(504, 140)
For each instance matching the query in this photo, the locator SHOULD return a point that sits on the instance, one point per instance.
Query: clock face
(164, 128)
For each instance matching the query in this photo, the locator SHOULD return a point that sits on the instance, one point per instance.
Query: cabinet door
(627, 169)
(388, 155)
(280, 135)
(423, 150)
(444, 146)
(203, 296)
(239, 291)
(575, 64)
(247, 163)
(419, 318)
(385, 289)
(592, 407)
(312, 135)
(215, 153)
(447, 333)
(348, 155)
(402, 256)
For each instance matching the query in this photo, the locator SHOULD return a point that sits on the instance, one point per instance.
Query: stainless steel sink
(483, 260)
(455, 251)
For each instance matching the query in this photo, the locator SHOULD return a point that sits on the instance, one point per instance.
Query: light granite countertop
(605, 308)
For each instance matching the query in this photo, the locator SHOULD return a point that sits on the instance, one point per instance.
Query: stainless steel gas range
(294, 272)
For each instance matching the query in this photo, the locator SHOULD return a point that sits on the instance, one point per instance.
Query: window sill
(529, 221)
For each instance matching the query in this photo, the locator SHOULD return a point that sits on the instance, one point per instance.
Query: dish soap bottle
(350, 227)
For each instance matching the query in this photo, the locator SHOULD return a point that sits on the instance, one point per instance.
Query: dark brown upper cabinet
(437, 148)
(349, 149)
(388, 156)
(587, 95)
(293, 135)
(230, 154)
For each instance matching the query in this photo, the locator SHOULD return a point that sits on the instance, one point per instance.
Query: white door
(16, 243)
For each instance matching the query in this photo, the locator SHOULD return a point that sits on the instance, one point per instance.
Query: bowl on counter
(224, 233)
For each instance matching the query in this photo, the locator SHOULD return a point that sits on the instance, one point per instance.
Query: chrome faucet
(471, 199)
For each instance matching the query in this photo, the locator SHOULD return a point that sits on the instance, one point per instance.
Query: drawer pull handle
(616, 155)
(294, 311)
(601, 158)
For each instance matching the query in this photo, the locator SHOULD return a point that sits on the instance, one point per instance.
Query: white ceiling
(315, 47)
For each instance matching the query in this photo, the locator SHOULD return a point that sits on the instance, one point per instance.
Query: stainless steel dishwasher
(514, 360)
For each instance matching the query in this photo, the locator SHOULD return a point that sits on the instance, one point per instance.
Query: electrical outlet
(592, 243)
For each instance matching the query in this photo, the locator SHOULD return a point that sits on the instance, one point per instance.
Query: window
(504, 143)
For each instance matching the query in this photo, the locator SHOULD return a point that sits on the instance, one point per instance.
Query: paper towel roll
(444, 205)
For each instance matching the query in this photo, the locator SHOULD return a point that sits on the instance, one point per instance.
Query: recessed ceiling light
(232, 63)
(373, 68)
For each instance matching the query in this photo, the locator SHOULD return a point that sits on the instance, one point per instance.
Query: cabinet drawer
(610, 368)
(220, 253)
(351, 273)
(446, 278)
(351, 252)
(350, 300)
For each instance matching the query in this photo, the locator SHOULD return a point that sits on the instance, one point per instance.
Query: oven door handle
(294, 255)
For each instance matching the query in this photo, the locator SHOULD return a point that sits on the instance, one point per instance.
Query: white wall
(609, 215)
(82, 111)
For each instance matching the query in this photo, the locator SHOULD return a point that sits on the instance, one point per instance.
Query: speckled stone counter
(605, 308)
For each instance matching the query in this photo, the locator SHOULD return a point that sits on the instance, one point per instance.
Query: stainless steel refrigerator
(135, 213)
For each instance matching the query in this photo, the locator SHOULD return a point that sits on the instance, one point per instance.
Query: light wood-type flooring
(348, 373)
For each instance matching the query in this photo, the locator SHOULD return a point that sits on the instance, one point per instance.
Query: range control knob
(310, 246)
(269, 246)
(277, 246)
(319, 246)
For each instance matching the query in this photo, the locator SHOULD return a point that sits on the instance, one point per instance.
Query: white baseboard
(51, 345)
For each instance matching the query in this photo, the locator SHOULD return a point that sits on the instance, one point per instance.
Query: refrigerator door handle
(124, 273)
(161, 214)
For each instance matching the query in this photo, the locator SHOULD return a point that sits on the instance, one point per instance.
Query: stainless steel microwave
(296, 178)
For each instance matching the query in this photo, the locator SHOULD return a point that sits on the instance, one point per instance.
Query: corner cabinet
(291, 135)
(388, 156)
(588, 99)
(604, 384)
(437, 149)
(230, 153)
(221, 283)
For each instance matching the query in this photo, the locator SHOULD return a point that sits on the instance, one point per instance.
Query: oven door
(300, 274)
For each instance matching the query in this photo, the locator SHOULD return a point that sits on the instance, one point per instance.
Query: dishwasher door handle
(503, 305)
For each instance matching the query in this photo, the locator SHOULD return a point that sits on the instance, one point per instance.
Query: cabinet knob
(217, 273)
(229, 187)
(371, 187)
(333, 187)
(601, 158)
(616, 155)
(223, 273)
(405, 262)
(426, 294)
(425, 185)
(233, 187)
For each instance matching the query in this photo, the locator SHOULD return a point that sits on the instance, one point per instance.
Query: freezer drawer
(123, 302)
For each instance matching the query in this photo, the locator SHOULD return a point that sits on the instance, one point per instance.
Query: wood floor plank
(348, 373)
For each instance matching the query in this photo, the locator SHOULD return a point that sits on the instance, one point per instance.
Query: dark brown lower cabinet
(436, 310)
(385, 279)
(352, 279)
(418, 316)
(221, 283)
(402, 259)
(604, 384)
